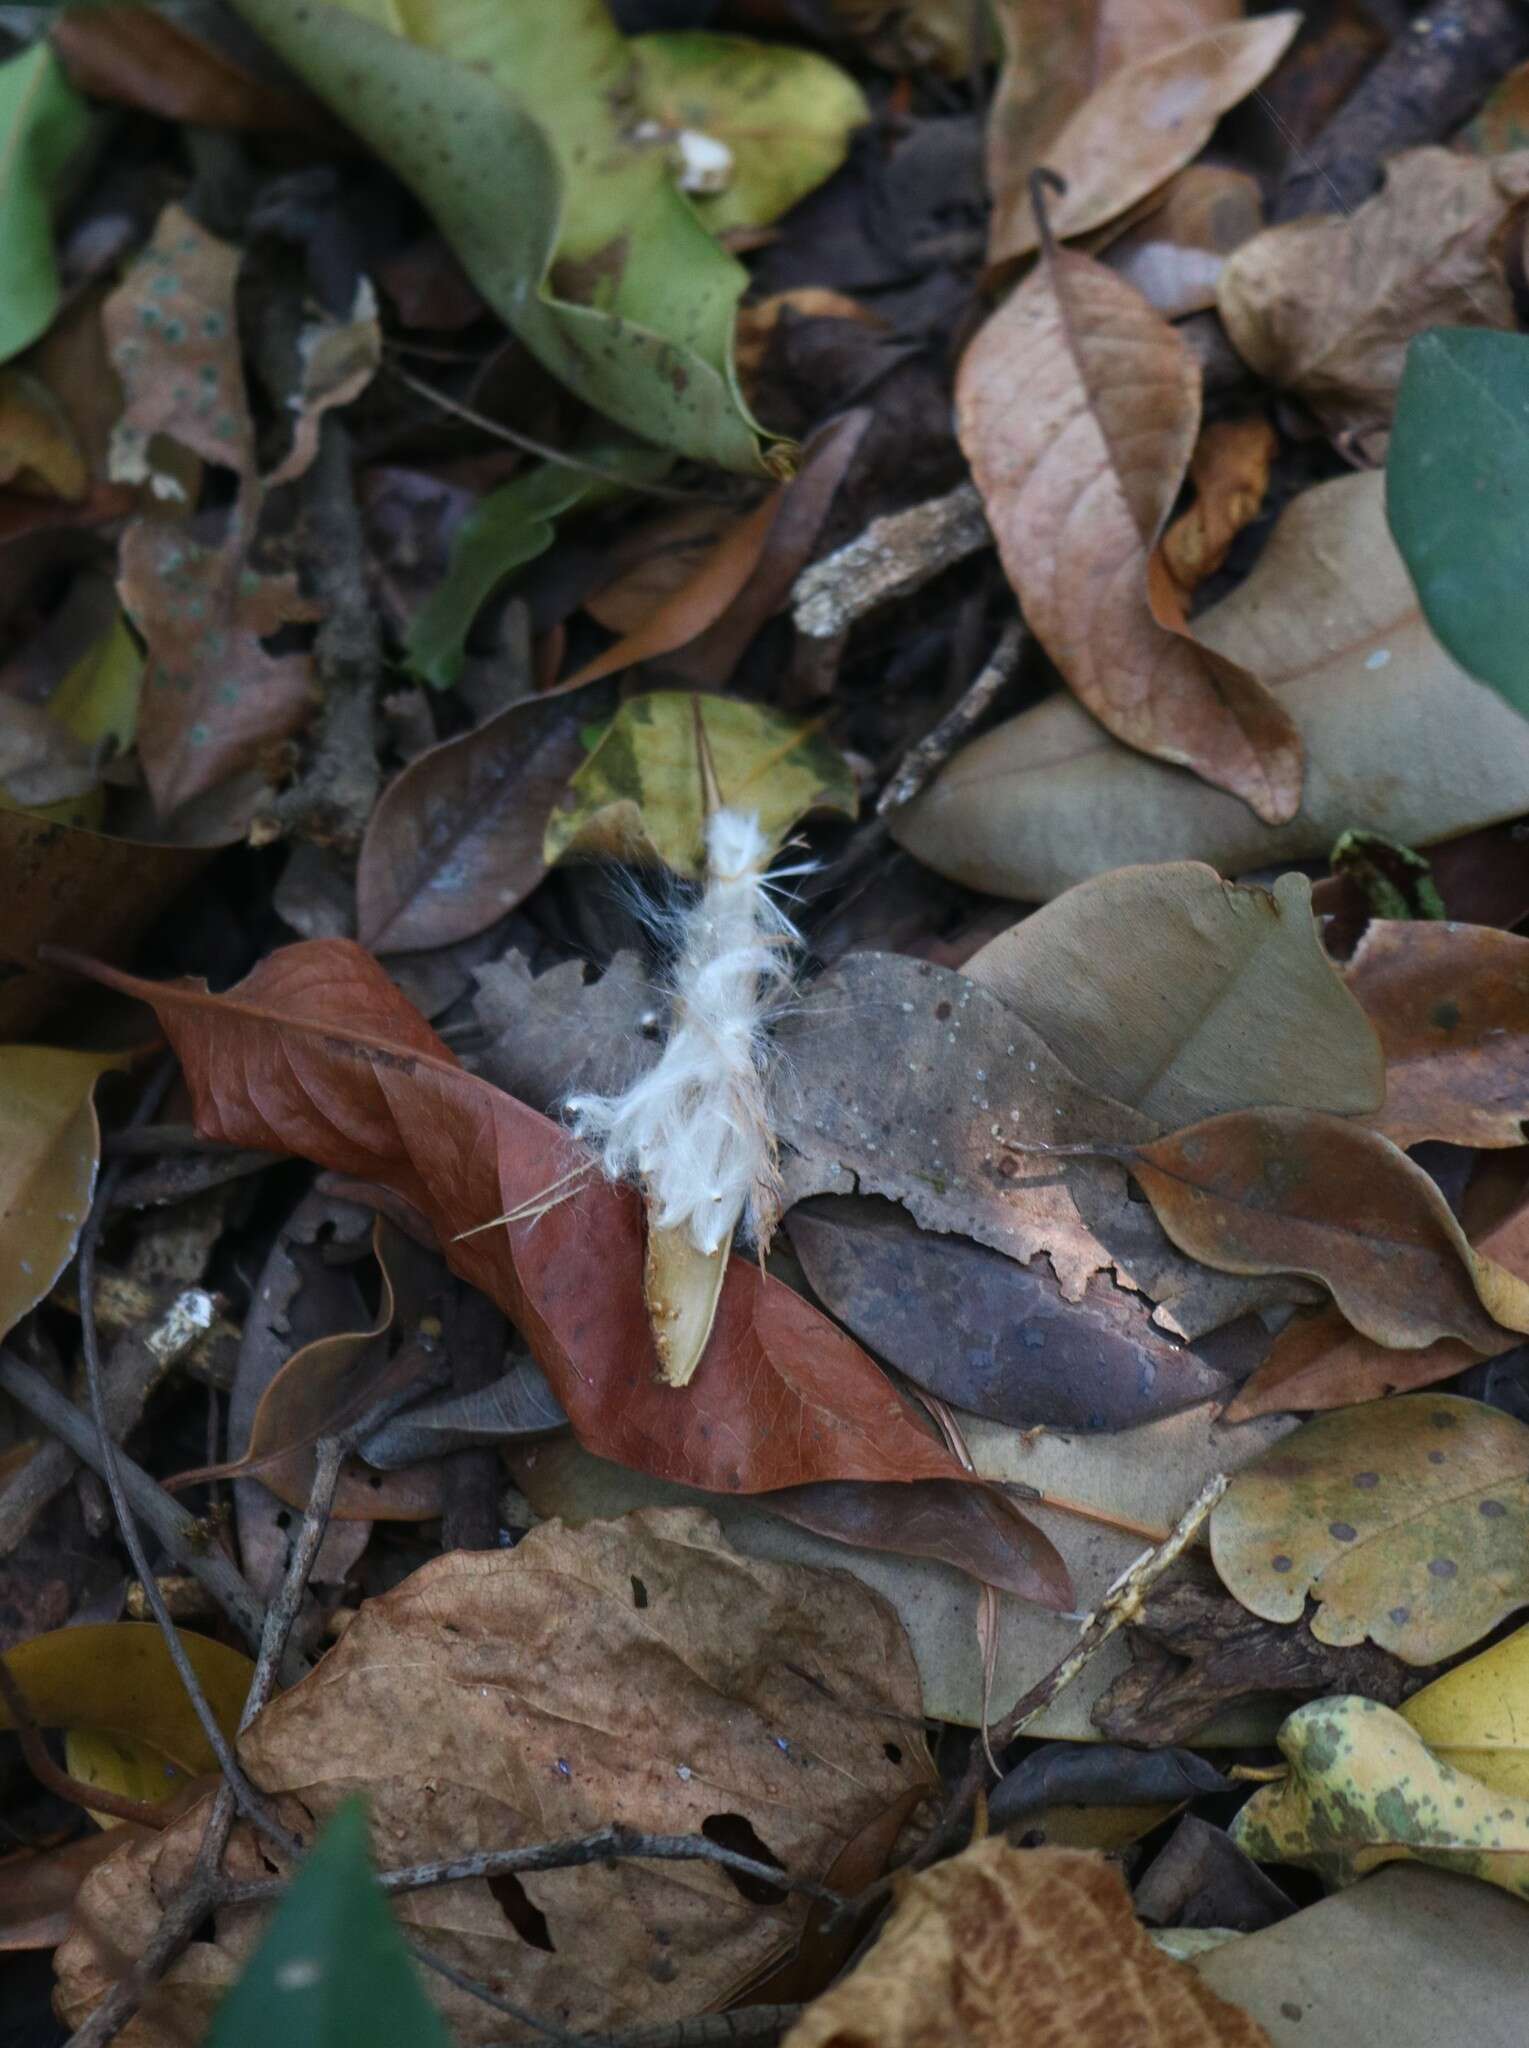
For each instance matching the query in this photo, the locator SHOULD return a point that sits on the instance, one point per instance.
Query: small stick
(922, 762)
(895, 556)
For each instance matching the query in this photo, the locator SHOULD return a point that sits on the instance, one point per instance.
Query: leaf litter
(862, 610)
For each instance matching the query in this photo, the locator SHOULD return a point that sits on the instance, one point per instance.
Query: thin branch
(922, 762)
(282, 1612)
(545, 2030)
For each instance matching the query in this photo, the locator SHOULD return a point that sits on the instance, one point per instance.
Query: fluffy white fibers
(695, 1129)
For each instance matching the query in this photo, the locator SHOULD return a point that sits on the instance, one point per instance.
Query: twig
(607, 1845)
(182, 1535)
(1433, 77)
(923, 761)
(153, 1141)
(334, 794)
(282, 1613)
(895, 556)
(544, 2030)
(35, 1754)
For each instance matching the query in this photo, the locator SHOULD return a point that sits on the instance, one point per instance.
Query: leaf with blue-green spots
(332, 1968)
(1407, 1520)
(1457, 497)
(1363, 1788)
(43, 124)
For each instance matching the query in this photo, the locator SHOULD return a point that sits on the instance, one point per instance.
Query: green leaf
(513, 124)
(332, 1969)
(43, 121)
(785, 117)
(1457, 497)
(640, 794)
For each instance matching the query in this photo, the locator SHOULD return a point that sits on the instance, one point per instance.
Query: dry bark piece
(1326, 307)
(1146, 121)
(1000, 1946)
(1394, 732)
(1183, 995)
(1078, 408)
(317, 1053)
(1288, 1190)
(1451, 1005)
(1196, 1651)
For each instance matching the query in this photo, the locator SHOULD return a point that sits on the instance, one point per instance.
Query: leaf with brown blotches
(1001, 1946)
(1146, 121)
(1451, 1005)
(1326, 306)
(1078, 408)
(318, 1053)
(1293, 1191)
(1405, 1519)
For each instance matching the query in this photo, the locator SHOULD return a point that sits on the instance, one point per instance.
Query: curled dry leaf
(1078, 408)
(1055, 53)
(1395, 733)
(1146, 121)
(1451, 1005)
(1184, 995)
(1404, 1518)
(1230, 472)
(1365, 1789)
(317, 1053)
(784, 1697)
(1175, 255)
(1290, 1190)
(1001, 1945)
(1326, 306)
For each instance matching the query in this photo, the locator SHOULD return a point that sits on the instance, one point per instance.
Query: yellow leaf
(1477, 1716)
(116, 1678)
(135, 1770)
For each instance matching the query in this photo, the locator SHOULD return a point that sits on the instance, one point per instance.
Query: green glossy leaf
(332, 1969)
(784, 116)
(43, 122)
(1457, 497)
(515, 126)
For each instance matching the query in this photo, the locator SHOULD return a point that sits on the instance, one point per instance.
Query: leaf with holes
(1406, 1520)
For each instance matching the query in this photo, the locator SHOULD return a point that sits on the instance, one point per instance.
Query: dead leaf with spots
(1451, 1005)
(214, 701)
(1294, 1191)
(1143, 123)
(1404, 1519)
(1183, 995)
(767, 1704)
(173, 336)
(1326, 306)
(1230, 472)
(1365, 1789)
(999, 1946)
(1078, 408)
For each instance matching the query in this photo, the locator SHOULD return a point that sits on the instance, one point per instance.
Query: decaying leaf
(1143, 123)
(783, 1697)
(641, 793)
(1288, 1190)
(1230, 472)
(1078, 409)
(1001, 1945)
(214, 701)
(1326, 306)
(1184, 995)
(1365, 1789)
(1451, 1005)
(336, 360)
(50, 1143)
(318, 1053)
(1470, 1718)
(1394, 732)
(1403, 1518)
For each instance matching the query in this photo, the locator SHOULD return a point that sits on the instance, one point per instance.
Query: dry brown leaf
(1183, 995)
(639, 1669)
(1011, 1948)
(214, 701)
(1174, 256)
(1143, 123)
(1289, 1190)
(754, 335)
(1451, 1005)
(1056, 52)
(38, 447)
(1396, 734)
(1326, 307)
(1230, 472)
(1078, 408)
(656, 560)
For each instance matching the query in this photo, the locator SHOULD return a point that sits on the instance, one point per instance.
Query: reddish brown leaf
(1294, 1191)
(1321, 1361)
(1451, 1005)
(1078, 408)
(317, 1053)
(214, 702)
(139, 58)
(1230, 472)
